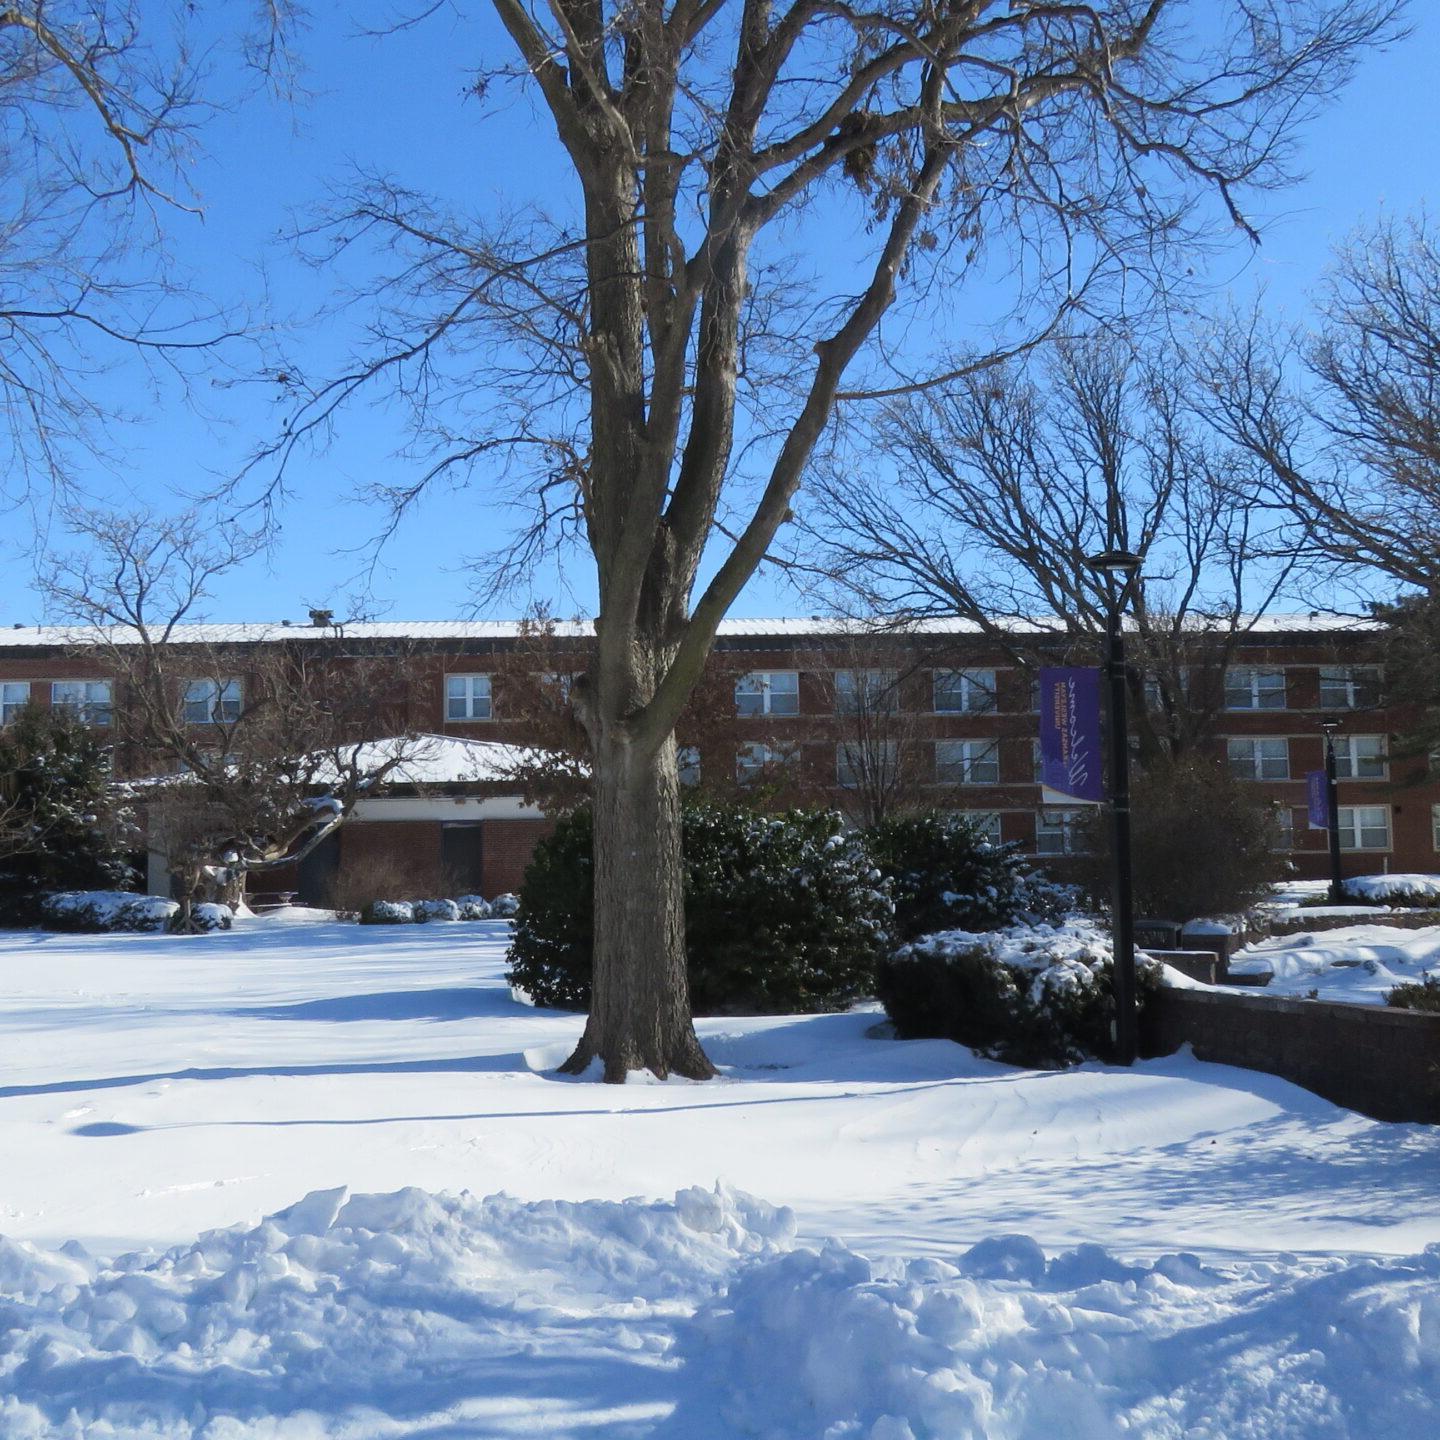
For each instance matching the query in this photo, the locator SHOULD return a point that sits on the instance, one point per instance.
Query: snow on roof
(438, 759)
(258, 633)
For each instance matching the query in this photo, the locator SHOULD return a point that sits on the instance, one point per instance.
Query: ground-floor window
(1057, 832)
(1364, 827)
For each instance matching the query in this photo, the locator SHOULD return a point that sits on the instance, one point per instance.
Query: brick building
(805, 708)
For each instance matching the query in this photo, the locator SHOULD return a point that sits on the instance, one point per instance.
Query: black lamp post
(1332, 812)
(1120, 568)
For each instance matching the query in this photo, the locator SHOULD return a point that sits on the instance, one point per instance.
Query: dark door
(316, 873)
(462, 851)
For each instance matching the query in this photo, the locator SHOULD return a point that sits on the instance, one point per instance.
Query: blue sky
(397, 104)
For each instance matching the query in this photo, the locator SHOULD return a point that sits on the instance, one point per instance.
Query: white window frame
(1348, 679)
(212, 702)
(1285, 825)
(964, 692)
(1245, 754)
(1347, 758)
(1059, 823)
(867, 692)
(768, 692)
(754, 757)
(469, 697)
(987, 821)
(14, 697)
(1353, 828)
(91, 700)
(1256, 695)
(966, 757)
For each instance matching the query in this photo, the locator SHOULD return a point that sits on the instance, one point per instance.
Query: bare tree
(1342, 421)
(654, 368)
(254, 752)
(991, 494)
(100, 101)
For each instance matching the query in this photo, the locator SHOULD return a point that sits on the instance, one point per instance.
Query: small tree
(60, 828)
(1202, 843)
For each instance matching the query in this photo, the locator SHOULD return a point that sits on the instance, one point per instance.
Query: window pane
(14, 696)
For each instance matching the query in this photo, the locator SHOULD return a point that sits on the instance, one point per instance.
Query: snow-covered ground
(1253, 1280)
(1359, 964)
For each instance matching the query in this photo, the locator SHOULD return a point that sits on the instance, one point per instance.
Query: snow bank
(1008, 1346)
(1356, 964)
(346, 1305)
(416, 1314)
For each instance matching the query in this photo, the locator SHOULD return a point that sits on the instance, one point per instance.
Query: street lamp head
(1330, 726)
(1118, 563)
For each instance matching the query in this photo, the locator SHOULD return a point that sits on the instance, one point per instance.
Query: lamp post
(1120, 568)
(1332, 812)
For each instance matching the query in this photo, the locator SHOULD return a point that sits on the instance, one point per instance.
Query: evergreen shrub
(783, 914)
(945, 875)
(1040, 996)
(65, 828)
(1421, 994)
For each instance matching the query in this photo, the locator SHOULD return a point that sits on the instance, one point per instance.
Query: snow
(433, 760)
(1204, 1252)
(1412, 889)
(1358, 964)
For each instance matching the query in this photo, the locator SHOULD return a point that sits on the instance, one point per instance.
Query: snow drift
(414, 1313)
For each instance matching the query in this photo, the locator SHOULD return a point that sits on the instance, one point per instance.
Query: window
(856, 763)
(1154, 693)
(89, 699)
(964, 692)
(754, 760)
(1247, 689)
(1360, 757)
(1364, 827)
(1435, 826)
(688, 760)
(967, 762)
(1037, 761)
(1057, 832)
(14, 697)
(866, 692)
(1259, 759)
(1349, 687)
(1283, 837)
(768, 692)
(467, 697)
(212, 702)
(987, 822)
(556, 687)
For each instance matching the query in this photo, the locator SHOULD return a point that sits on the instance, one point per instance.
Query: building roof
(263, 632)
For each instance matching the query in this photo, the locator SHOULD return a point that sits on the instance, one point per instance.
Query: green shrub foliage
(63, 832)
(944, 875)
(782, 913)
(1421, 994)
(1040, 996)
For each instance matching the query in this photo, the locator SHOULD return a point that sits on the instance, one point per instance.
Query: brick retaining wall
(1381, 1062)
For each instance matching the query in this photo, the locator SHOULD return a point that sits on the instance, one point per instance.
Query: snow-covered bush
(97, 911)
(783, 914)
(210, 917)
(1405, 891)
(388, 912)
(505, 907)
(426, 910)
(473, 907)
(1038, 995)
(944, 875)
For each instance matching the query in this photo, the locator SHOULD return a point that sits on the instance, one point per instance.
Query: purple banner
(1317, 796)
(1070, 733)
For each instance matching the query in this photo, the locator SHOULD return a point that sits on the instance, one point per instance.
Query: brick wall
(1381, 1062)
(508, 844)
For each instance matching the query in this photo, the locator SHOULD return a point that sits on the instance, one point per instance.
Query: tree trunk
(640, 1010)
